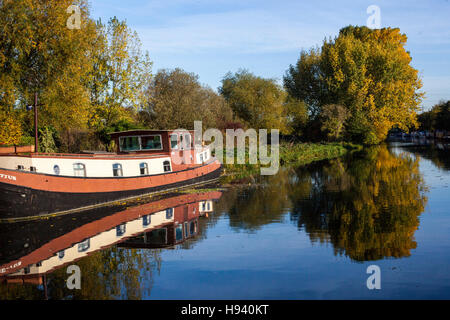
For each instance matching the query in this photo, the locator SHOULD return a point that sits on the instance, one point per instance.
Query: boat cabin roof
(142, 132)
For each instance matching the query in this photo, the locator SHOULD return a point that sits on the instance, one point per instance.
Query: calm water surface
(306, 233)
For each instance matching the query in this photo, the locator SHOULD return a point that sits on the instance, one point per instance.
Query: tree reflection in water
(366, 206)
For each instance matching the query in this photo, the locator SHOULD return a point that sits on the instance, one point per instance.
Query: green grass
(290, 154)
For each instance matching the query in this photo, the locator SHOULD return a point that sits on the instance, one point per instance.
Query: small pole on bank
(36, 140)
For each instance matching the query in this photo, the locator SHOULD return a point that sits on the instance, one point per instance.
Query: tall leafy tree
(259, 102)
(367, 71)
(332, 119)
(120, 76)
(40, 54)
(443, 116)
(304, 80)
(176, 99)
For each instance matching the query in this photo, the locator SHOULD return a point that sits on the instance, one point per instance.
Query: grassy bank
(290, 154)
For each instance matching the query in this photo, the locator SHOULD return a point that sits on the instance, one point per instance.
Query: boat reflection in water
(31, 250)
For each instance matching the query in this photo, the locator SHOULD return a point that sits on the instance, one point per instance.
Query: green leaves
(259, 102)
(121, 74)
(366, 71)
(176, 99)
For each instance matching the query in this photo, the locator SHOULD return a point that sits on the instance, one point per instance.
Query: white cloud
(246, 31)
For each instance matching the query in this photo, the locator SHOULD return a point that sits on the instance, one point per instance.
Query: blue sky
(212, 37)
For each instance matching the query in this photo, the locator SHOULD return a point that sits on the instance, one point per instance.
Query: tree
(10, 129)
(333, 117)
(443, 116)
(437, 118)
(176, 100)
(259, 102)
(121, 73)
(304, 81)
(297, 116)
(40, 54)
(367, 71)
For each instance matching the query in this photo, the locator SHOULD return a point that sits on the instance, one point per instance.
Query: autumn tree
(368, 72)
(176, 99)
(297, 116)
(438, 118)
(120, 75)
(443, 116)
(40, 54)
(332, 118)
(10, 129)
(304, 81)
(259, 102)
(427, 120)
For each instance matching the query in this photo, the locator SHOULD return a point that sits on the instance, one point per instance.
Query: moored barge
(145, 162)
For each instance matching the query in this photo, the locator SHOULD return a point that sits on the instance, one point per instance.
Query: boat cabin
(152, 141)
(138, 153)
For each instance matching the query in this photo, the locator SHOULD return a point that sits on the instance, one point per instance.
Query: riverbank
(296, 154)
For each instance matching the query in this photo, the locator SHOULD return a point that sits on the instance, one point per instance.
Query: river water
(306, 233)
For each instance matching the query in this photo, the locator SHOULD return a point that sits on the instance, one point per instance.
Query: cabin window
(26, 270)
(179, 233)
(20, 167)
(169, 213)
(151, 142)
(129, 144)
(33, 169)
(187, 141)
(61, 254)
(201, 157)
(56, 170)
(144, 168)
(120, 230)
(192, 228)
(117, 170)
(174, 141)
(186, 233)
(84, 246)
(146, 220)
(167, 167)
(79, 170)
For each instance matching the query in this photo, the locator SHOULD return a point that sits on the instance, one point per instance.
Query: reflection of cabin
(184, 226)
(138, 226)
(206, 206)
(94, 243)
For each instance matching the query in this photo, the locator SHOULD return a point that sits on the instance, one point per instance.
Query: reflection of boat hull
(30, 194)
(98, 226)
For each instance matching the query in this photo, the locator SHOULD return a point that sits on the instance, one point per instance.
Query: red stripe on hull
(52, 183)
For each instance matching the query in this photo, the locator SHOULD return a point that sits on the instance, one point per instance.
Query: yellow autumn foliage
(10, 129)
